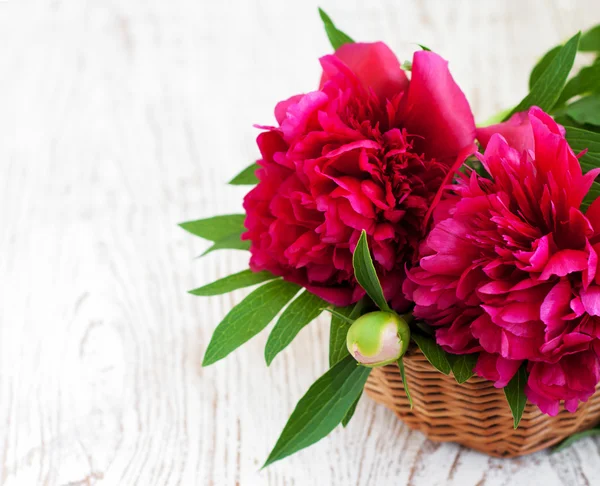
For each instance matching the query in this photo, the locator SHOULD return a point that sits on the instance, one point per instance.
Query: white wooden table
(119, 119)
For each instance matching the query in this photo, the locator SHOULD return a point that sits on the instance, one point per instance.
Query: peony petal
(375, 66)
(516, 131)
(556, 304)
(590, 299)
(495, 368)
(436, 109)
(593, 215)
(565, 262)
(282, 107)
(298, 114)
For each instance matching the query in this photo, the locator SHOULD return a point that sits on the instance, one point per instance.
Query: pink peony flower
(368, 150)
(572, 379)
(516, 131)
(510, 268)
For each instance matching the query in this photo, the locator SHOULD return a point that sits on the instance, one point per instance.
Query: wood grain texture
(120, 119)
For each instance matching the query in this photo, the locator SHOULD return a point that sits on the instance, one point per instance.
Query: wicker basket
(474, 414)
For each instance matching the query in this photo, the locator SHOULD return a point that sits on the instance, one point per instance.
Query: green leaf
(336, 36)
(217, 227)
(462, 366)
(433, 352)
(425, 48)
(350, 412)
(585, 110)
(247, 177)
(426, 328)
(304, 309)
(591, 196)
(245, 278)
(542, 64)
(231, 242)
(580, 140)
(546, 91)
(575, 437)
(515, 395)
(587, 80)
(365, 273)
(404, 382)
(322, 408)
(590, 40)
(341, 320)
(339, 315)
(248, 318)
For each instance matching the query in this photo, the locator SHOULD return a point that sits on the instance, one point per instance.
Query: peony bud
(378, 338)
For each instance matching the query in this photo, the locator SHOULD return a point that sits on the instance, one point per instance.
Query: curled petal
(375, 66)
(516, 131)
(436, 109)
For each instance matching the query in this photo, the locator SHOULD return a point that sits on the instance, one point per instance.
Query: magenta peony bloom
(516, 131)
(369, 150)
(509, 268)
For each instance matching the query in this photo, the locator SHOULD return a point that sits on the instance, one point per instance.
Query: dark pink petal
(436, 109)
(496, 368)
(340, 297)
(556, 304)
(552, 152)
(282, 107)
(516, 131)
(298, 113)
(565, 262)
(593, 215)
(591, 300)
(458, 338)
(375, 66)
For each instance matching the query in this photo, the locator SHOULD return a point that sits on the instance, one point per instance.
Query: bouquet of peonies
(378, 200)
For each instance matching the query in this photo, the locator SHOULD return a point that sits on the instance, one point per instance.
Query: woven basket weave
(474, 414)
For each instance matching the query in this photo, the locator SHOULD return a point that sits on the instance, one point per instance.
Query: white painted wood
(120, 119)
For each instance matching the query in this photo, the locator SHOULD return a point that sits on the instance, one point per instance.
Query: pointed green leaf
(580, 140)
(591, 196)
(433, 352)
(462, 366)
(245, 278)
(322, 408)
(515, 395)
(404, 382)
(546, 91)
(575, 437)
(341, 320)
(231, 242)
(586, 110)
(303, 310)
(425, 48)
(217, 227)
(338, 315)
(247, 177)
(587, 80)
(248, 318)
(590, 40)
(350, 412)
(542, 64)
(336, 36)
(426, 328)
(365, 273)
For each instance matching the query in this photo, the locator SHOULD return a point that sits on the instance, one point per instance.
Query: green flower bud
(378, 338)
